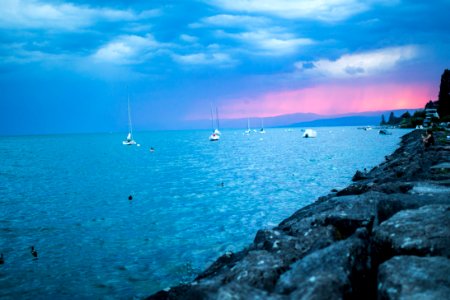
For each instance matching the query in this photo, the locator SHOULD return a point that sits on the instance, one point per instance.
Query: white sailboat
(129, 140)
(262, 127)
(215, 136)
(248, 127)
(217, 131)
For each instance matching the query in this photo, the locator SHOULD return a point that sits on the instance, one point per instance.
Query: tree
(406, 115)
(444, 95)
(391, 120)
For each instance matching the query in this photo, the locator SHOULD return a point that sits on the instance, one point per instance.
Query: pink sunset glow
(331, 100)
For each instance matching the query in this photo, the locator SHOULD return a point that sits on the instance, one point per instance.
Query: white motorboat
(309, 133)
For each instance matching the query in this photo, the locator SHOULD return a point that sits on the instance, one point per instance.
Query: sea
(192, 201)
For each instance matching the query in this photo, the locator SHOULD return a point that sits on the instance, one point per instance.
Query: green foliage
(406, 115)
(419, 114)
(405, 120)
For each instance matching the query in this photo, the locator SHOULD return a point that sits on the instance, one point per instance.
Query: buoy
(34, 252)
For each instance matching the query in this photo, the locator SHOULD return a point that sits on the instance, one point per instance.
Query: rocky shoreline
(386, 236)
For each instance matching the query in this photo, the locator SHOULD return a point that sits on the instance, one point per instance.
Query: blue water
(68, 196)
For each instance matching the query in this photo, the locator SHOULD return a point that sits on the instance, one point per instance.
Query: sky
(70, 66)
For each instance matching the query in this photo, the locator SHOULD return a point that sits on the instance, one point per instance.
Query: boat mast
(217, 118)
(130, 127)
(212, 118)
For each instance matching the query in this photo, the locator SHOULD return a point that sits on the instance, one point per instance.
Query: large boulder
(424, 232)
(412, 277)
(337, 272)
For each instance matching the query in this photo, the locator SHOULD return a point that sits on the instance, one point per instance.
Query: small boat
(215, 136)
(217, 131)
(262, 127)
(309, 133)
(129, 140)
(248, 127)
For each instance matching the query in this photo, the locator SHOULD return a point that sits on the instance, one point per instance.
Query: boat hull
(214, 137)
(309, 133)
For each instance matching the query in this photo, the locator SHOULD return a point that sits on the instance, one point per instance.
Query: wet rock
(236, 291)
(344, 214)
(185, 291)
(259, 269)
(393, 188)
(335, 272)
(393, 203)
(292, 248)
(412, 277)
(359, 176)
(354, 189)
(223, 263)
(422, 231)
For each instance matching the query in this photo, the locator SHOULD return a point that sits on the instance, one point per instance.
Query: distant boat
(262, 127)
(248, 127)
(309, 133)
(129, 140)
(215, 136)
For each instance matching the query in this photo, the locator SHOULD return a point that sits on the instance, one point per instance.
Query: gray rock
(344, 214)
(393, 203)
(259, 269)
(359, 176)
(354, 189)
(412, 277)
(422, 231)
(336, 272)
(222, 264)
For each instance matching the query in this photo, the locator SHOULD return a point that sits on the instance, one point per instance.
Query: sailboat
(129, 140)
(217, 131)
(248, 127)
(262, 127)
(215, 136)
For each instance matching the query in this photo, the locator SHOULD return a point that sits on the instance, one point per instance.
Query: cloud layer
(64, 16)
(360, 64)
(251, 57)
(322, 10)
